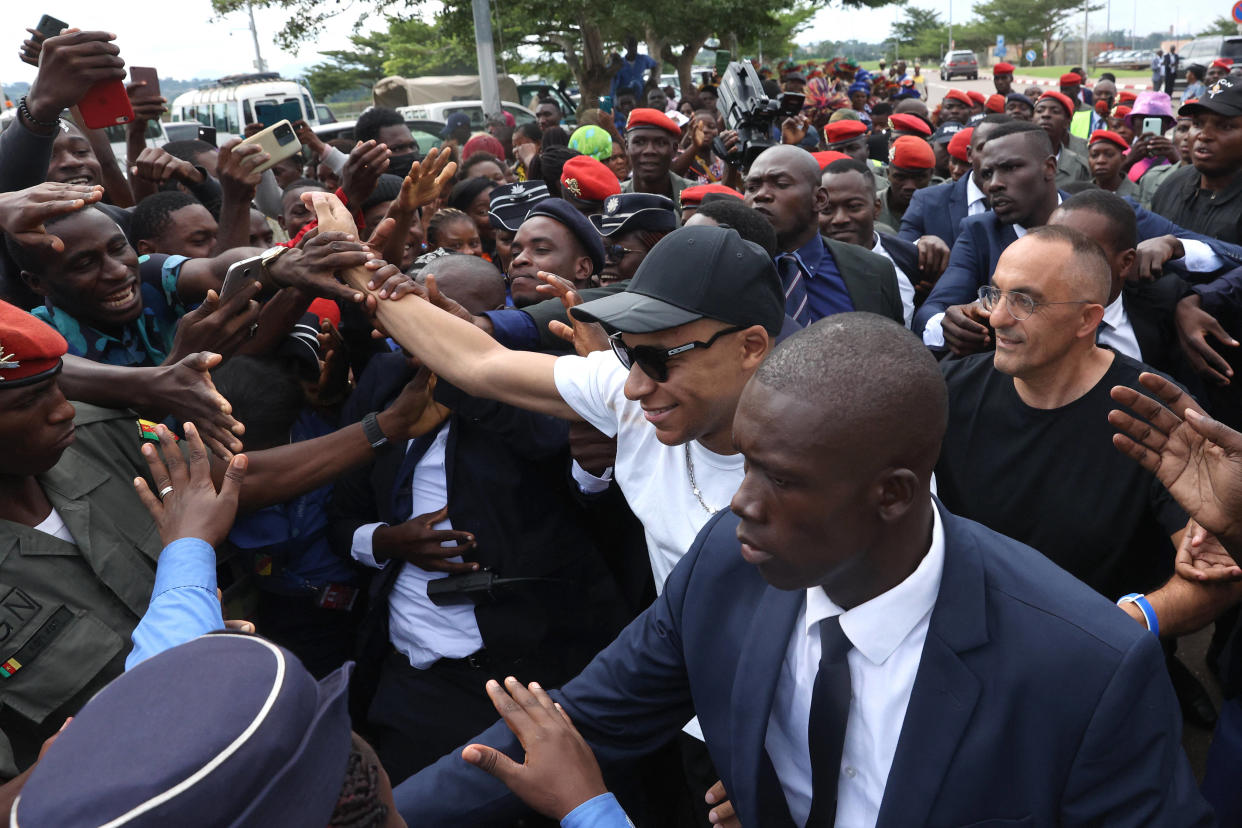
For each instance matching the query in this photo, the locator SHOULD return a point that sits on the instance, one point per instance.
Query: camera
(750, 113)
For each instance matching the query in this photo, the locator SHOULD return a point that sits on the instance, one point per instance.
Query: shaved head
(470, 280)
(796, 160)
(871, 378)
(1087, 271)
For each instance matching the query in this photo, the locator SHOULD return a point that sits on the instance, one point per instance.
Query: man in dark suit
(856, 653)
(850, 217)
(1018, 171)
(424, 663)
(821, 276)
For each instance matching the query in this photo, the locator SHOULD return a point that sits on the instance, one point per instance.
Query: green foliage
(348, 69)
(1220, 26)
(419, 48)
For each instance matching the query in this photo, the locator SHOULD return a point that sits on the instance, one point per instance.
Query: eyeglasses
(1021, 306)
(654, 360)
(615, 252)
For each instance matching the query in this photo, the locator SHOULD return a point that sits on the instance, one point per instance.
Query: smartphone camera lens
(284, 134)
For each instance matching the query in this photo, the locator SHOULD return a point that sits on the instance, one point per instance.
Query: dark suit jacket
(1035, 703)
(936, 211)
(984, 238)
(505, 469)
(869, 278)
(906, 256)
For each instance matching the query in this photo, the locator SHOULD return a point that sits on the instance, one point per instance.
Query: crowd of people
(618, 474)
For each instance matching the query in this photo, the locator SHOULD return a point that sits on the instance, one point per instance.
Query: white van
(234, 101)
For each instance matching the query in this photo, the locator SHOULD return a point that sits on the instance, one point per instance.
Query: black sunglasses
(615, 252)
(654, 360)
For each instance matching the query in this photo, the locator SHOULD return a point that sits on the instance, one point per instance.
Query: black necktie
(830, 709)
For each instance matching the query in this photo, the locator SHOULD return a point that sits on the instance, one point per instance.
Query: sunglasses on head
(652, 359)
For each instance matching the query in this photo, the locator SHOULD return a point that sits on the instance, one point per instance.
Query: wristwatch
(374, 434)
(268, 257)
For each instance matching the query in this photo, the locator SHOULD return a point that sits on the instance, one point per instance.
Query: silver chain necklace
(694, 486)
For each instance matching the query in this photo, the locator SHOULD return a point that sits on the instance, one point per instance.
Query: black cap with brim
(633, 313)
(1224, 97)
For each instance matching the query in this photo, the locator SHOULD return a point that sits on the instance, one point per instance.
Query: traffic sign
(999, 51)
(1000, 40)
(1030, 53)
(1237, 12)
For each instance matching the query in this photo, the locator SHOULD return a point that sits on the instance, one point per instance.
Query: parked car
(426, 133)
(325, 114)
(441, 111)
(959, 64)
(1204, 50)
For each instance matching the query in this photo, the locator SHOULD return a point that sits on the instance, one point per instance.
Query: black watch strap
(374, 434)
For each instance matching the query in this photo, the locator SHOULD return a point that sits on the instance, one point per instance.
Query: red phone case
(106, 104)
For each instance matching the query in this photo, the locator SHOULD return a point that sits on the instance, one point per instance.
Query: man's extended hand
(586, 337)
(185, 391)
(157, 166)
(1194, 325)
(367, 162)
(1201, 557)
(217, 326)
(312, 268)
(427, 178)
(933, 256)
(235, 168)
(1154, 253)
(147, 107)
(560, 772)
(416, 542)
(70, 64)
(965, 329)
(794, 129)
(188, 505)
(1198, 459)
(23, 212)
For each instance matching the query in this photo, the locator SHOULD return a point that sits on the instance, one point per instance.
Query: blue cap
(455, 121)
(224, 730)
(509, 203)
(859, 86)
(636, 211)
(562, 211)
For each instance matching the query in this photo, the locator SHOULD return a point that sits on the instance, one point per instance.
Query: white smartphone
(280, 142)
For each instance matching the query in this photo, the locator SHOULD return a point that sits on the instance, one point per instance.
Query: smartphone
(723, 56)
(240, 274)
(1154, 126)
(208, 134)
(278, 141)
(149, 77)
(106, 104)
(50, 27)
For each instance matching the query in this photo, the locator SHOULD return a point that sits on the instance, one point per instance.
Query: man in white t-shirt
(693, 325)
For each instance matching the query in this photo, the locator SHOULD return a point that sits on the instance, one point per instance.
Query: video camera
(750, 113)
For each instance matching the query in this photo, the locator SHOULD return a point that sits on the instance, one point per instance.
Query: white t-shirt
(654, 476)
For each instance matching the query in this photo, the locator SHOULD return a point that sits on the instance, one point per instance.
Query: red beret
(326, 309)
(958, 95)
(30, 349)
(1122, 111)
(1071, 79)
(843, 130)
(1126, 97)
(1063, 100)
(694, 195)
(911, 153)
(1108, 135)
(1223, 64)
(959, 143)
(905, 122)
(654, 118)
(827, 157)
(1002, 68)
(976, 97)
(995, 103)
(586, 179)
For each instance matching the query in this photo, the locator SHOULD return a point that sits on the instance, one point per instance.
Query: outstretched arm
(453, 348)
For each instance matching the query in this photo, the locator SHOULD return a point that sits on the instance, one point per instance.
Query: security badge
(612, 204)
(571, 184)
(517, 189)
(7, 362)
(146, 431)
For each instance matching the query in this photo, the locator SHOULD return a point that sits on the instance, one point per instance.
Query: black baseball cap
(636, 211)
(1223, 97)
(509, 203)
(698, 272)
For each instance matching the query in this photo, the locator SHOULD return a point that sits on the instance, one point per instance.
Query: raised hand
(367, 162)
(157, 166)
(1198, 459)
(586, 337)
(187, 504)
(22, 212)
(428, 178)
(217, 326)
(1194, 325)
(69, 64)
(560, 771)
(1202, 557)
(185, 391)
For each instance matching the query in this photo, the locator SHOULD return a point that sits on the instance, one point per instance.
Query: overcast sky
(187, 43)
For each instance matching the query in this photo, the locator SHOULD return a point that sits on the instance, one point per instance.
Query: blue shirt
(145, 341)
(515, 329)
(601, 812)
(825, 287)
(183, 601)
(631, 75)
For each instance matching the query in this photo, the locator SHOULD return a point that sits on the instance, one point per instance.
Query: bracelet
(25, 112)
(1149, 612)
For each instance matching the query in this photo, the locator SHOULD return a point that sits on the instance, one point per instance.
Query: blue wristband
(1149, 613)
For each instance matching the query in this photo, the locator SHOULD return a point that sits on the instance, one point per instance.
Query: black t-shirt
(1053, 480)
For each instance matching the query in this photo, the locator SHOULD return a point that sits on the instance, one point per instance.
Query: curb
(1134, 87)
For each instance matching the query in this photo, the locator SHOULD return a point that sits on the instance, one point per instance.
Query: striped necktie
(794, 285)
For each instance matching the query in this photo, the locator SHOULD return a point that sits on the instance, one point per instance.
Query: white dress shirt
(424, 632)
(904, 287)
(1116, 331)
(976, 201)
(888, 633)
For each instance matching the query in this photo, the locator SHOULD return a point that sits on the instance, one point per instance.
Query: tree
(915, 23)
(419, 48)
(1220, 26)
(1025, 21)
(348, 69)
